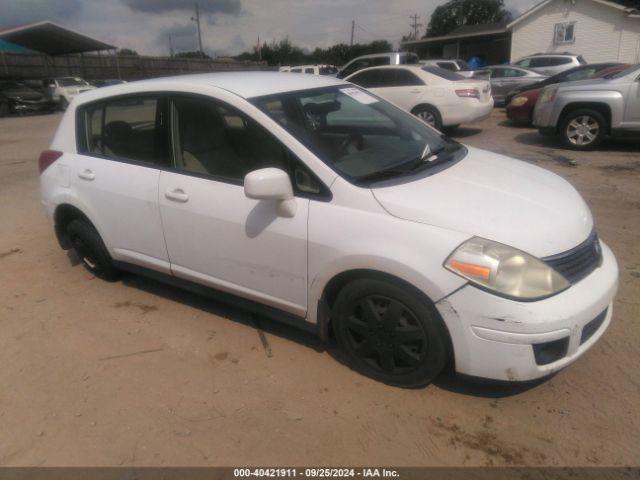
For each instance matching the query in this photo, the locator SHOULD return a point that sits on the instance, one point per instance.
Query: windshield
(71, 82)
(443, 73)
(625, 72)
(357, 134)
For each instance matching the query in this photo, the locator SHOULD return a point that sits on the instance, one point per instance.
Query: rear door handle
(177, 195)
(87, 175)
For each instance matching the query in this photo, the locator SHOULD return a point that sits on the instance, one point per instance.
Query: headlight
(519, 101)
(505, 270)
(548, 94)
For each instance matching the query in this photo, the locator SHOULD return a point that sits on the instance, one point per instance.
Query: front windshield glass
(357, 134)
(71, 82)
(624, 73)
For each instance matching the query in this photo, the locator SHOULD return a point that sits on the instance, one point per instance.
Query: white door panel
(404, 97)
(123, 197)
(217, 236)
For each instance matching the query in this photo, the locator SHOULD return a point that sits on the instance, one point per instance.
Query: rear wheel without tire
(390, 333)
(583, 129)
(90, 248)
(428, 115)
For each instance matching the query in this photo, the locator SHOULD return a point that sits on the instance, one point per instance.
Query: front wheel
(390, 333)
(429, 115)
(583, 129)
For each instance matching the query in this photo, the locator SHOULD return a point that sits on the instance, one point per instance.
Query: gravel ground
(136, 373)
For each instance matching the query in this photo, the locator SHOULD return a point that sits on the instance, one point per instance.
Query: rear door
(400, 86)
(122, 143)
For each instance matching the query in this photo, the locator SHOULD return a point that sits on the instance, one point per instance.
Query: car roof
(243, 84)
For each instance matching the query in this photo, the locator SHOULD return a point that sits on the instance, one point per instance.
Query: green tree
(456, 13)
(124, 52)
(194, 54)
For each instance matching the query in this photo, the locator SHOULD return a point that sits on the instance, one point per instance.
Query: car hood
(494, 197)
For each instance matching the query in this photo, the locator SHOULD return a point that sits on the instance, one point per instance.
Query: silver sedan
(505, 78)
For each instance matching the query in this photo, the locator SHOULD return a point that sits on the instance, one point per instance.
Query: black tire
(87, 243)
(583, 129)
(63, 104)
(5, 109)
(390, 333)
(428, 114)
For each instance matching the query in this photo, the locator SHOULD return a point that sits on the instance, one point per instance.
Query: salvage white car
(310, 200)
(439, 97)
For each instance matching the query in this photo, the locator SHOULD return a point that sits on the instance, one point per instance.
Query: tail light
(468, 93)
(47, 158)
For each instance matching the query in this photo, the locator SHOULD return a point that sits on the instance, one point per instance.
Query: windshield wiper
(425, 160)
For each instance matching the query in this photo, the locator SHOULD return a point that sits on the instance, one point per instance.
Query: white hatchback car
(313, 201)
(439, 97)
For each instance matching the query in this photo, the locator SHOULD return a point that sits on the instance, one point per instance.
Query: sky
(228, 27)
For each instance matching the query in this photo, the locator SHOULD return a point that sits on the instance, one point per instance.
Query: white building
(599, 30)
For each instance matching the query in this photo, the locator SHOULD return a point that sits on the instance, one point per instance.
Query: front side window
(215, 140)
(358, 135)
(354, 67)
(128, 128)
(564, 33)
(366, 79)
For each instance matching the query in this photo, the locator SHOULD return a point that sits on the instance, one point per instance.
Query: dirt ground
(136, 373)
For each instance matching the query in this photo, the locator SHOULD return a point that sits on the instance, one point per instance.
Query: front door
(217, 236)
(632, 106)
(400, 86)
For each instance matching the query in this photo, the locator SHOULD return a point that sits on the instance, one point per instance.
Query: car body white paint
(437, 92)
(405, 228)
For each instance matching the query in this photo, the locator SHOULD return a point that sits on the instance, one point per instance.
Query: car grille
(580, 261)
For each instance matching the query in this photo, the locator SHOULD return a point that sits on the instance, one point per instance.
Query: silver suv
(551, 63)
(376, 60)
(583, 113)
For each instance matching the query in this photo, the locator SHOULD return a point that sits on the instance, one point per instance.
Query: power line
(197, 20)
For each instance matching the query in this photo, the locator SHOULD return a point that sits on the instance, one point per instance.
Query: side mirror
(271, 184)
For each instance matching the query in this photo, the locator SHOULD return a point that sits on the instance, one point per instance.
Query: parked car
(520, 105)
(64, 89)
(311, 69)
(506, 77)
(551, 63)
(583, 113)
(439, 97)
(108, 82)
(311, 200)
(377, 59)
(581, 72)
(459, 66)
(16, 98)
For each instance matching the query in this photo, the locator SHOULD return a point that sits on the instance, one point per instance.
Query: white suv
(551, 63)
(310, 200)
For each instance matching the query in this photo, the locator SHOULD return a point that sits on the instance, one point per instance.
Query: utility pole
(353, 27)
(415, 24)
(197, 20)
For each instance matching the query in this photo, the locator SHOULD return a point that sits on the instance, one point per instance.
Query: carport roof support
(52, 39)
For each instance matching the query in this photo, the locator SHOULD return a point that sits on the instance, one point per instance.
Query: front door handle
(87, 175)
(177, 195)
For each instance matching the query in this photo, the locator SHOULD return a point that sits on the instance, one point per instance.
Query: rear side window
(442, 73)
(405, 78)
(448, 66)
(130, 128)
(367, 79)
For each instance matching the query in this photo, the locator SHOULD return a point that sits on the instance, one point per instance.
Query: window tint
(448, 66)
(405, 78)
(409, 59)
(216, 140)
(129, 128)
(524, 63)
(379, 61)
(308, 70)
(441, 72)
(367, 79)
(512, 72)
(580, 74)
(328, 70)
(353, 67)
(296, 70)
(497, 72)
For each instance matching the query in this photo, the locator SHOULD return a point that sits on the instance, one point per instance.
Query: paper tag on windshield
(359, 95)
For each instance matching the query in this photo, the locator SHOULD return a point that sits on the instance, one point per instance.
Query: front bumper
(520, 114)
(493, 337)
(26, 106)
